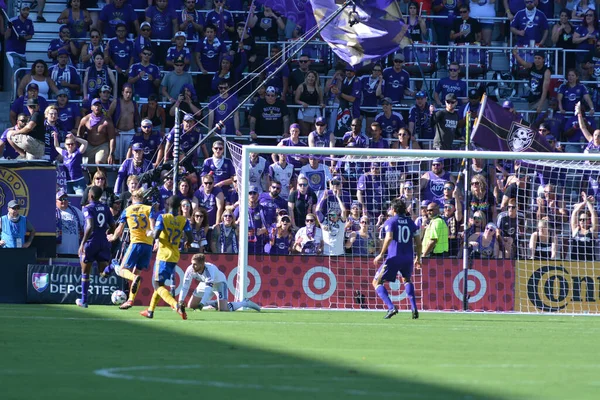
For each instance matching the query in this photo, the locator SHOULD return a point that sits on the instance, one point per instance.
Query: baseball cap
(145, 24)
(438, 160)
(387, 100)
(420, 94)
(32, 102)
(507, 104)
(399, 57)
(271, 90)
(25, 6)
(137, 147)
(425, 203)
(120, 24)
(539, 53)
(105, 88)
(252, 189)
(349, 68)
(320, 121)
(407, 184)
(60, 194)
(473, 94)
(336, 180)
(96, 101)
(188, 117)
(13, 204)
(180, 34)
(450, 202)
(33, 86)
(146, 121)
(294, 126)
(63, 92)
(450, 97)
(63, 52)
(179, 61)
(491, 225)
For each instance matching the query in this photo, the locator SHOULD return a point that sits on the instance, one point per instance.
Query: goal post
(521, 281)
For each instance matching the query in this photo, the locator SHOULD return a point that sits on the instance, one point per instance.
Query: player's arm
(389, 236)
(418, 248)
(120, 228)
(89, 227)
(187, 282)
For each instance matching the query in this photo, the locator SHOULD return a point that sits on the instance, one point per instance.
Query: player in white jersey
(211, 281)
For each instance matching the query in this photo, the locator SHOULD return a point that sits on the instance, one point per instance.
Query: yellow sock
(154, 301)
(131, 295)
(127, 274)
(166, 296)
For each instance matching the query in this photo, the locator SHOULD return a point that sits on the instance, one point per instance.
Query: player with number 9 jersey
(96, 247)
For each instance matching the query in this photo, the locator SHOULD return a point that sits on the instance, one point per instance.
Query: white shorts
(220, 289)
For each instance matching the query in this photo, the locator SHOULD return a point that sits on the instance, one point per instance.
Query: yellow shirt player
(169, 230)
(138, 218)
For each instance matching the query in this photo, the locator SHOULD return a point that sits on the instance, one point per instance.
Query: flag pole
(466, 254)
(221, 124)
(240, 44)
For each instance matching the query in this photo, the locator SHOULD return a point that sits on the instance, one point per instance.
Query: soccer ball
(118, 297)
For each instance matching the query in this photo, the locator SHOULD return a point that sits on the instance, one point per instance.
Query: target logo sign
(395, 287)
(179, 272)
(254, 281)
(476, 284)
(319, 283)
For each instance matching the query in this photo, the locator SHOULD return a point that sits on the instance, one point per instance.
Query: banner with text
(61, 284)
(558, 286)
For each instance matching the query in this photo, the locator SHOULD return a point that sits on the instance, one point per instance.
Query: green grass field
(63, 352)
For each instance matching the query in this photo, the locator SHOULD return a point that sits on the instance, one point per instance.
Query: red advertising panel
(345, 282)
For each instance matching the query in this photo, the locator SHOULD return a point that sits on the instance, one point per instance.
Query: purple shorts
(96, 251)
(389, 272)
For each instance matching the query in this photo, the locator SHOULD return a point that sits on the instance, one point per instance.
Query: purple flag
(497, 129)
(362, 34)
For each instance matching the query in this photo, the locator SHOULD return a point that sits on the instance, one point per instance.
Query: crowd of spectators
(100, 96)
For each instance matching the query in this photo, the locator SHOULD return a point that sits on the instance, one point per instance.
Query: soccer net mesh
(530, 232)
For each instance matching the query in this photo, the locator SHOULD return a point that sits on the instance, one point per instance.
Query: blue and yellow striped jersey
(172, 230)
(138, 217)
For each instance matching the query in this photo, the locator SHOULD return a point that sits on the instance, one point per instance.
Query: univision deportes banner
(61, 284)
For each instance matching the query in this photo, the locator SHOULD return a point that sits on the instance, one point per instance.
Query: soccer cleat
(252, 305)
(391, 313)
(127, 305)
(415, 314)
(147, 313)
(136, 284)
(81, 303)
(181, 311)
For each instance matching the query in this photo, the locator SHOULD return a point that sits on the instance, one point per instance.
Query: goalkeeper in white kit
(211, 281)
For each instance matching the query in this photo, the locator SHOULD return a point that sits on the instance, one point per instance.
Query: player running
(211, 280)
(169, 230)
(400, 232)
(94, 245)
(139, 218)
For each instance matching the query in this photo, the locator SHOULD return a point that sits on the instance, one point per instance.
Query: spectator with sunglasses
(309, 238)
(69, 226)
(8, 152)
(301, 202)
(435, 239)
(210, 198)
(281, 237)
(485, 244)
(144, 76)
(530, 24)
(220, 106)
(220, 166)
(99, 179)
(269, 118)
(361, 242)
(225, 236)
(450, 85)
(72, 157)
(271, 201)
(510, 224)
(151, 142)
(452, 216)
(446, 124)
(396, 81)
(200, 227)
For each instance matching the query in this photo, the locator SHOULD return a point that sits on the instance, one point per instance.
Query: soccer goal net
(520, 234)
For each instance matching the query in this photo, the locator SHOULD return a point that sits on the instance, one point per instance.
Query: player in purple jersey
(400, 233)
(94, 245)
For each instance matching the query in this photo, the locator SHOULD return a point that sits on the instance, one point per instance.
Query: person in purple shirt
(118, 54)
(63, 43)
(208, 57)
(7, 151)
(72, 159)
(372, 91)
(451, 84)
(68, 113)
(587, 35)
(144, 76)
(281, 79)
(16, 45)
(551, 119)
(396, 81)
(221, 19)
(573, 134)
(221, 167)
(350, 94)
(377, 141)
(512, 7)
(94, 246)
(151, 141)
(220, 107)
(529, 24)
(432, 182)
(190, 134)
(336, 199)
(211, 198)
(354, 137)
(369, 190)
(142, 41)
(65, 76)
(131, 166)
(271, 201)
(190, 20)
(292, 141)
(163, 20)
(571, 92)
(19, 105)
(390, 121)
(442, 26)
(419, 124)
(400, 234)
(178, 52)
(117, 12)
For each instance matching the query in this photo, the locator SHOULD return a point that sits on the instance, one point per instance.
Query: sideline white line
(125, 373)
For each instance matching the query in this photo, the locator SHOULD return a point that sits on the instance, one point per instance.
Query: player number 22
(174, 236)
